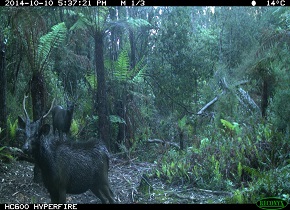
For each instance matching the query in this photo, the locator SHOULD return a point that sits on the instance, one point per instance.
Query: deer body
(72, 167)
(67, 167)
(62, 119)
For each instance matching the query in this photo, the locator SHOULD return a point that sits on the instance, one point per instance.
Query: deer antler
(49, 109)
(26, 115)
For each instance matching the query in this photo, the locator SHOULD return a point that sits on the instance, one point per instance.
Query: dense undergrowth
(250, 163)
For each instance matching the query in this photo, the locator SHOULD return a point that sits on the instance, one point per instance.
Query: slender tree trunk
(38, 93)
(3, 89)
(265, 97)
(133, 47)
(101, 102)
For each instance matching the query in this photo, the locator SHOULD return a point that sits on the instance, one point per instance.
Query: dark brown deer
(66, 166)
(72, 167)
(62, 119)
(29, 129)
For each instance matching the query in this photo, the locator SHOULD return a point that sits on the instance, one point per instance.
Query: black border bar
(250, 3)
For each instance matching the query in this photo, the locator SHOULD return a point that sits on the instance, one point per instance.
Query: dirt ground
(17, 186)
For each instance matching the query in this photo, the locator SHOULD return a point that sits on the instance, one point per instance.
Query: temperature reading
(276, 2)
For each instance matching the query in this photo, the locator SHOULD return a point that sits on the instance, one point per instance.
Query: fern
(4, 154)
(116, 119)
(74, 128)
(227, 124)
(122, 67)
(50, 41)
(92, 80)
(12, 128)
(81, 23)
(136, 23)
(139, 71)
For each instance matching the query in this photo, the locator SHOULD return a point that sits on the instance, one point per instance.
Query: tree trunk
(101, 103)
(3, 89)
(265, 96)
(38, 93)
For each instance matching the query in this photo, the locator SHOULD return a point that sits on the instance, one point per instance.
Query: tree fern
(81, 23)
(49, 41)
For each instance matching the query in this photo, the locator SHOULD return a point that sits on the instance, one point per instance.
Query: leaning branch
(242, 95)
(209, 104)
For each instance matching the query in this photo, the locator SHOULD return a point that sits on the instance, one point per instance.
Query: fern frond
(81, 23)
(121, 72)
(137, 22)
(50, 41)
(139, 71)
(92, 80)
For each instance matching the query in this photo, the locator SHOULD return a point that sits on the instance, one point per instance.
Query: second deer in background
(62, 118)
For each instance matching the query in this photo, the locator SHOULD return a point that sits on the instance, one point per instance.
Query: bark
(101, 102)
(3, 89)
(247, 98)
(38, 93)
(121, 131)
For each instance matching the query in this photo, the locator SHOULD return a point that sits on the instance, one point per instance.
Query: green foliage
(129, 152)
(240, 171)
(174, 167)
(91, 124)
(50, 41)
(137, 22)
(138, 74)
(92, 80)
(227, 163)
(281, 109)
(230, 127)
(12, 127)
(121, 66)
(82, 21)
(116, 119)
(55, 85)
(74, 128)
(121, 69)
(5, 155)
(182, 123)
(270, 183)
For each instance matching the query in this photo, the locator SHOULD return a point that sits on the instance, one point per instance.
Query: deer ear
(21, 123)
(44, 130)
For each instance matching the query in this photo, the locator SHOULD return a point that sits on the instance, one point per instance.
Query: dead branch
(209, 104)
(244, 99)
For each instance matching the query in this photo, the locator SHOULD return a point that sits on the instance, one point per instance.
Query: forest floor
(17, 186)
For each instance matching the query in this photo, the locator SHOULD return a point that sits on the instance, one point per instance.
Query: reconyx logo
(271, 203)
